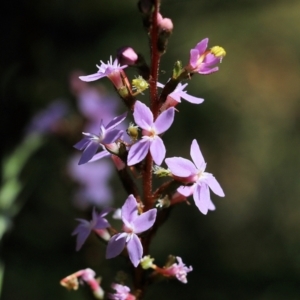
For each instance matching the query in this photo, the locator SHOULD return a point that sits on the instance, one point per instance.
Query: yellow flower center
(218, 51)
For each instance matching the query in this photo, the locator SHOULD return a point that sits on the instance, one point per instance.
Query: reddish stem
(155, 59)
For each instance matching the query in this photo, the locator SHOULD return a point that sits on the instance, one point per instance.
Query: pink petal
(82, 143)
(197, 156)
(206, 71)
(81, 238)
(202, 197)
(215, 186)
(116, 121)
(158, 150)
(111, 136)
(135, 250)
(91, 77)
(160, 85)
(99, 155)
(175, 96)
(144, 221)
(143, 116)
(210, 205)
(89, 152)
(164, 120)
(202, 45)
(186, 190)
(191, 99)
(181, 167)
(129, 209)
(194, 54)
(138, 152)
(115, 246)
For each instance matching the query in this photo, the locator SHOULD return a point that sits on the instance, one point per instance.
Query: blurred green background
(248, 129)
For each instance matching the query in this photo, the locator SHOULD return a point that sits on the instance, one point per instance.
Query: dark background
(247, 127)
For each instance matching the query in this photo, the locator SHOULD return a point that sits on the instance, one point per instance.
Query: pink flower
(85, 227)
(174, 98)
(204, 61)
(143, 117)
(112, 70)
(187, 172)
(179, 270)
(71, 282)
(121, 292)
(133, 224)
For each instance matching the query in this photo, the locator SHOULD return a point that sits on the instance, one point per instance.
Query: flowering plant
(143, 213)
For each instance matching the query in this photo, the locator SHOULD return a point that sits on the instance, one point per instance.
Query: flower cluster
(140, 156)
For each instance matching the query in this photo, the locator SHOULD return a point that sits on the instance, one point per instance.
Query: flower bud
(127, 56)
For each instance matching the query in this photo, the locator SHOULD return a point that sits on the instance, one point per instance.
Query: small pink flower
(112, 70)
(204, 61)
(151, 130)
(174, 98)
(71, 282)
(187, 172)
(179, 270)
(121, 292)
(133, 224)
(127, 56)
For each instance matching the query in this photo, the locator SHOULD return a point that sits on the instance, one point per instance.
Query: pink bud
(127, 56)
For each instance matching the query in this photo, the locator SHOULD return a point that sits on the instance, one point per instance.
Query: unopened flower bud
(166, 24)
(165, 27)
(127, 56)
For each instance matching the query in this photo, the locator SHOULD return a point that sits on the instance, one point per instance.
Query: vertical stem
(155, 59)
(147, 182)
(154, 106)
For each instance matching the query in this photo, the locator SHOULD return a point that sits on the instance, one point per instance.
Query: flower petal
(111, 136)
(82, 144)
(99, 155)
(210, 205)
(164, 120)
(89, 152)
(116, 121)
(191, 99)
(197, 156)
(181, 167)
(142, 115)
(214, 186)
(129, 210)
(138, 152)
(206, 71)
(115, 246)
(202, 45)
(81, 237)
(186, 190)
(194, 55)
(135, 250)
(144, 221)
(202, 197)
(91, 77)
(158, 150)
